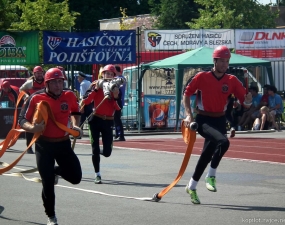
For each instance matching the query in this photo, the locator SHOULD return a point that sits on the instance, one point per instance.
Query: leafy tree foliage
(7, 14)
(233, 14)
(44, 15)
(173, 14)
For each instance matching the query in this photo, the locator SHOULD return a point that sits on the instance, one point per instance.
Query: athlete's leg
(213, 130)
(94, 126)
(68, 164)
(222, 148)
(45, 164)
(107, 138)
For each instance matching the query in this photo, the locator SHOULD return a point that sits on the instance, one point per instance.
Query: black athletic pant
(29, 137)
(68, 168)
(213, 129)
(118, 124)
(105, 127)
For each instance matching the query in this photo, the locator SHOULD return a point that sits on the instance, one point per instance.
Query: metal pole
(72, 72)
(139, 83)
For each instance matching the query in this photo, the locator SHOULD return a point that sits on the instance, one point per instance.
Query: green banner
(19, 48)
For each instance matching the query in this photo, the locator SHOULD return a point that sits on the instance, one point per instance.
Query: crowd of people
(264, 109)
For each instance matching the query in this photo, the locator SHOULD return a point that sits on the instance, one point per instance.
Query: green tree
(233, 14)
(44, 15)
(7, 13)
(173, 14)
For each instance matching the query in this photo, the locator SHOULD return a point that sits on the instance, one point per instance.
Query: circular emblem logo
(158, 115)
(225, 88)
(64, 106)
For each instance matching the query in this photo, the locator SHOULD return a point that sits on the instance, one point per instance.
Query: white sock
(98, 174)
(212, 172)
(192, 184)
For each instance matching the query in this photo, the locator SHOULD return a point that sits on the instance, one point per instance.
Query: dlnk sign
(266, 44)
(102, 47)
(19, 48)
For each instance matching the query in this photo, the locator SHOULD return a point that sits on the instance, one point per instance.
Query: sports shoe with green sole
(98, 180)
(211, 183)
(193, 195)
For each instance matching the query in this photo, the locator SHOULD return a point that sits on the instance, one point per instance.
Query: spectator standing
(229, 114)
(102, 121)
(32, 85)
(275, 104)
(211, 120)
(119, 129)
(237, 113)
(84, 86)
(54, 144)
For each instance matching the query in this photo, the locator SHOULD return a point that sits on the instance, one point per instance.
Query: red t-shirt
(107, 108)
(264, 98)
(213, 92)
(63, 106)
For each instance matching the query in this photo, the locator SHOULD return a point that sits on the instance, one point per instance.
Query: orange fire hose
(189, 137)
(43, 112)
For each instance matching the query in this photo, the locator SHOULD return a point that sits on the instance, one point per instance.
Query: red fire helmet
(53, 73)
(5, 84)
(222, 52)
(38, 69)
(110, 68)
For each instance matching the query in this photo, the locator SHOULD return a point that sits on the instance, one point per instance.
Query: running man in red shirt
(103, 119)
(54, 144)
(33, 84)
(213, 88)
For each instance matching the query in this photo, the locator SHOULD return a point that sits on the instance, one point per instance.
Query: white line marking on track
(103, 193)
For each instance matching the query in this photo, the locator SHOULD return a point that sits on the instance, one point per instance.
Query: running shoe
(193, 195)
(52, 220)
(232, 132)
(211, 183)
(98, 180)
(56, 179)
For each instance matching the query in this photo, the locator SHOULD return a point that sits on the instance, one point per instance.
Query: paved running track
(251, 148)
